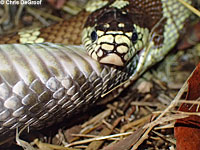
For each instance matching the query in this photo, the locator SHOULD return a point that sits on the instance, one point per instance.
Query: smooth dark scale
(153, 9)
(113, 17)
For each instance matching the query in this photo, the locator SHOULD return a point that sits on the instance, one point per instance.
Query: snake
(41, 83)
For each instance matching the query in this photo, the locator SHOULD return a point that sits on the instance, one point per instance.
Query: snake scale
(40, 84)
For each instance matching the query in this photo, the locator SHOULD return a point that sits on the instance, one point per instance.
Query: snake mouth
(116, 59)
(113, 59)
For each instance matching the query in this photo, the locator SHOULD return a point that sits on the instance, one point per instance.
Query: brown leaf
(73, 130)
(128, 142)
(96, 144)
(187, 130)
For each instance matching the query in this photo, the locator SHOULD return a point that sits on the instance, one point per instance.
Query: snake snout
(116, 50)
(109, 48)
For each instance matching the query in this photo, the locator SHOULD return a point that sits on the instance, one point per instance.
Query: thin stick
(174, 102)
(19, 13)
(99, 138)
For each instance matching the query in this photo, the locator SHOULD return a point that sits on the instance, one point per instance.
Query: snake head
(112, 36)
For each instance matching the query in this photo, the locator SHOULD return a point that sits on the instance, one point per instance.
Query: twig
(36, 15)
(5, 16)
(99, 138)
(19, 12)
(45, 15)
(174, 102)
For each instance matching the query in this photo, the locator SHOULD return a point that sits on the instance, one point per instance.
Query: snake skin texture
(65, 32)
(42, 83)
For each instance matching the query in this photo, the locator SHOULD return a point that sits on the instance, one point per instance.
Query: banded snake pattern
(42, 83)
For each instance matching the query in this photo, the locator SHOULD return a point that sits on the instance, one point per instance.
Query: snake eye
(94, 36)
(134, 37)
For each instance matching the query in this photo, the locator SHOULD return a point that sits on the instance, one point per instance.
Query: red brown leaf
(187, 130)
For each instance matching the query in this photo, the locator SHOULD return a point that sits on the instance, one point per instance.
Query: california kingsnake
(132, 34)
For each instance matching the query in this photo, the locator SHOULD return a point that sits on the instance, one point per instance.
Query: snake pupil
(94, 36)
(134, 37)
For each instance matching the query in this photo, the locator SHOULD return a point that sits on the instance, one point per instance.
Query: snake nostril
(94, 36)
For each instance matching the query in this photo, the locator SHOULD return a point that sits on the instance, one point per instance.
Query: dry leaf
(187, 130)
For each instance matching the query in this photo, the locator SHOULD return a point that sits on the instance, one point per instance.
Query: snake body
(42, 83)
